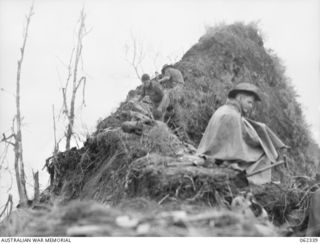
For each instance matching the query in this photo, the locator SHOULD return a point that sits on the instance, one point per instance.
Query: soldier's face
(247, 103)
(146, 82)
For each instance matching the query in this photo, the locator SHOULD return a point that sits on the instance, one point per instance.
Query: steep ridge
(114, 165)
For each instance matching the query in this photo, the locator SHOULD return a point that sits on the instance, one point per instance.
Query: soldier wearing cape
(243, 143)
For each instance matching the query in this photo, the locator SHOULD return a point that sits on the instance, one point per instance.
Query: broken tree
(76, 55)
(15, 139)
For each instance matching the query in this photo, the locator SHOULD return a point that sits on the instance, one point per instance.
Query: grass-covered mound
(227, 55)
(119, 163)
(223, 57)
(99, 170)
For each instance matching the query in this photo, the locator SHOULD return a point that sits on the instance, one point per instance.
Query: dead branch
(163, 199)
(6, 139)
(76, 56)
(84, 92)
(3, 167)
(8, 206)
(137, 55)
(3, 155)
(79, 82)
(70, 68)
(64, 99)
(56, 144)
(11, 179)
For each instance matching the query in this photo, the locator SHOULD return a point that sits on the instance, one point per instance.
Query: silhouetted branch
(69, 109)
(8, 206)
(137, 55)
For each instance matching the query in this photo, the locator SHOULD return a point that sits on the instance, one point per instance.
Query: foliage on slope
(226, 55)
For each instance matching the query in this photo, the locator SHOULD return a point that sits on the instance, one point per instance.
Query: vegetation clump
(117, 164)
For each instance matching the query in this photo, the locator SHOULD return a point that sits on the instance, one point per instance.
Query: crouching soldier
(239, 142)
(172, 81)
(160, 100)
(171, 77)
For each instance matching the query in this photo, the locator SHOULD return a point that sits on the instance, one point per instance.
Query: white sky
(291, 29)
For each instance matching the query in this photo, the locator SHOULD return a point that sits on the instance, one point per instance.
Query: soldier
(237, 141)
(171, 77)
(173, 82)
(158, 97)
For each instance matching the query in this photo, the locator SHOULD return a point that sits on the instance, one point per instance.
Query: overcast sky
(166, 29)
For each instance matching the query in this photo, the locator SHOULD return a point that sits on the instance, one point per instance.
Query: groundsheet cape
(231, 137)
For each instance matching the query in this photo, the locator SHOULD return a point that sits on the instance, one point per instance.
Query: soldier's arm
(165, 77)
(143, 94)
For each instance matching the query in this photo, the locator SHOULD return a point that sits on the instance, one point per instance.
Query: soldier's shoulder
(227, 111)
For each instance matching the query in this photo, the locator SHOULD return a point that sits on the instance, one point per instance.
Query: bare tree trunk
(18, 150)
(36, 187)
(56, 145)
(76, 83)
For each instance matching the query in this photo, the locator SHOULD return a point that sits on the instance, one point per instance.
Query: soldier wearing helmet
(235, 140)
(159, 99)
(171, 77)
(246, 95)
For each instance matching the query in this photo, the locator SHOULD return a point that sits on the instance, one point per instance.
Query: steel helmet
(247, 88)
(164, 67)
